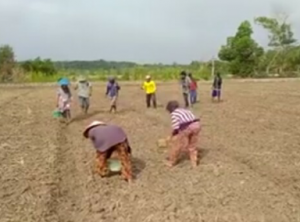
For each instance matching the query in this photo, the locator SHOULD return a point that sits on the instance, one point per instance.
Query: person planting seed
(110, 140)
(185, 133)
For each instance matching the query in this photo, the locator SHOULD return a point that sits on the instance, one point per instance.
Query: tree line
(240, 56)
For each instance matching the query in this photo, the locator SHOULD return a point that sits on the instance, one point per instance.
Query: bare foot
(169, 164)
(194, 165)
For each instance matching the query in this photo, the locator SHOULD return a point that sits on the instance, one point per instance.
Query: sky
(144, 31)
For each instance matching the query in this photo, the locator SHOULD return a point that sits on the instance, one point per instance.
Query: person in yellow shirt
(150, 88)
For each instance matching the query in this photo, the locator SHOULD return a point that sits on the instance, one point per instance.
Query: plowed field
(249, 169)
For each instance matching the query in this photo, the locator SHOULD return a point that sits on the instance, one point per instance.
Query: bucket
(56, 114)
(114, 165)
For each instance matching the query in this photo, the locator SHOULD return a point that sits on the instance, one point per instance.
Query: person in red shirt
(193, 89)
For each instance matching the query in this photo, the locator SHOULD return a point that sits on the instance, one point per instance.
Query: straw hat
(111, 78)
(92, 125)
(82, 78)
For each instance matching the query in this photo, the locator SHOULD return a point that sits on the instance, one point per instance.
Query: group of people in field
(111, 140)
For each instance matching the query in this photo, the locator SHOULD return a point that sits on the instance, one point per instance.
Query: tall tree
(7, 63)
(281, 39)
(241, 51)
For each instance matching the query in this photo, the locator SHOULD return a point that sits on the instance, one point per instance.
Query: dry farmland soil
(249, 148)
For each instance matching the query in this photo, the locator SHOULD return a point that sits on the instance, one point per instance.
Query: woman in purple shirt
(110, 140)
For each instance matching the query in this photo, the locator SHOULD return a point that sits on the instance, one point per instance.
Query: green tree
(7, 63)
(38, 65)
(281, 40)
(241, 51)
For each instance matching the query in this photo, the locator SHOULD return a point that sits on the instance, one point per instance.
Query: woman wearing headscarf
(185, 133)
(110, 140)
(64, 98)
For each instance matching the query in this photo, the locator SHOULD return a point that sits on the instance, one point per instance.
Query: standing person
(193, 89)
(185, 84)
(112, 91)
(109, 140)
(185, 133)
(150, 88)
(84, 91)
(64, 98)
(216, 87)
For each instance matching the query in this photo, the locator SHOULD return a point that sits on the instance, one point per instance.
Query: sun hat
(92, 125)
(82, 78)
(63, 81)
(148, 77)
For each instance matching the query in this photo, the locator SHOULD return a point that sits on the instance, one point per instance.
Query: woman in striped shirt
(186, 128)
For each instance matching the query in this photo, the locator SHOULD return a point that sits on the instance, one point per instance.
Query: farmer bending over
(186, 128)
(109, 140)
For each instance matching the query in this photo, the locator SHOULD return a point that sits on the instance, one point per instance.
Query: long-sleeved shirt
(180, 117)
(112, 89)
(83, 88)
(64, 100)
(149, 87)
(185, 84)
(217, 84)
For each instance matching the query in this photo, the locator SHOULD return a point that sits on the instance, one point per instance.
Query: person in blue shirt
(112, 91)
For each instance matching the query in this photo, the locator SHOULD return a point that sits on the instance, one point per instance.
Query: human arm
(175, 124)
(154, 86)
(57, 101)
(57, 98)
(76, 86)
(188, 80)
(90, 89)
(214, 83)
(107, 89)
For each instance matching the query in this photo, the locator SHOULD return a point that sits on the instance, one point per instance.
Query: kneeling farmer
(186, 128)
(109, 140)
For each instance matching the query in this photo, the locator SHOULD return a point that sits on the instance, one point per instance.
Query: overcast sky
(133, 30)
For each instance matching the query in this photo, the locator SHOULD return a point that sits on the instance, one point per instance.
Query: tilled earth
(249, 170)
